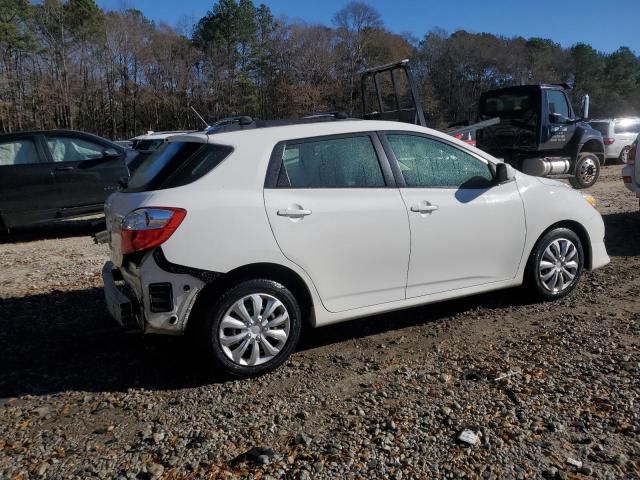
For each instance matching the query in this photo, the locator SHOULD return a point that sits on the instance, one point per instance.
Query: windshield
(511, 105)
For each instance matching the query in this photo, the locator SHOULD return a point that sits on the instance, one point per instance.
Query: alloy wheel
(559, 265)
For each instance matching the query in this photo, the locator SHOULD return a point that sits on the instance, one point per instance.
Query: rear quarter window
(176, 164)
(627, 127)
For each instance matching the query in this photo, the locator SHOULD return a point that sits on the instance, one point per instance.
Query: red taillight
(609, 141)
(149, 227)
(631, 157)
(626, 179)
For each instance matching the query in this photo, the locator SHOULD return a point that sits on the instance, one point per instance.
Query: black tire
(624, 155)
(534, 283)
(211, 324)
(586, 172)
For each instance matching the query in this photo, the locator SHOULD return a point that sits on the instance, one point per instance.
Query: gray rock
(586, 470)
(302, 439)
(573, 462)
(620, 459)
(155, 469)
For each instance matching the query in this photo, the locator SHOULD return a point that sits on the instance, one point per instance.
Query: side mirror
(585, 106)
(110, 153)
(503, 173)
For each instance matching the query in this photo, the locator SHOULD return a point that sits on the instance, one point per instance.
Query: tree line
(69, 64)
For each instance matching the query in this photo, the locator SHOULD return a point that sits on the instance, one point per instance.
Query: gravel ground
(545, 390)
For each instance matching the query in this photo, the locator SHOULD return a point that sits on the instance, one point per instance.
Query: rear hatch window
(176, 164)
(602, 127)
(509, 105)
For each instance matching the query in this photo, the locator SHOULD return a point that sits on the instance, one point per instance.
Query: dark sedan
(56, 174)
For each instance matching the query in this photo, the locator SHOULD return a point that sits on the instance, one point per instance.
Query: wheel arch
(270, 271)
(595, 147)
(575, 227)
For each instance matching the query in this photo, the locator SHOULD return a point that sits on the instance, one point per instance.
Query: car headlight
(591, 200)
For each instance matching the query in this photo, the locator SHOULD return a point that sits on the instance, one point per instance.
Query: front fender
(549, 202)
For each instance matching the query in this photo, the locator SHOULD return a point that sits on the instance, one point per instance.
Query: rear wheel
(555, 264)
(252, 328)
(624, 154)
(586, 172)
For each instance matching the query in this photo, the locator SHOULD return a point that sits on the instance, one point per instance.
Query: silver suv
(618, 135)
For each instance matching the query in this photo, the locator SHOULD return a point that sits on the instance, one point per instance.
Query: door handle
(63, 169)
(424, 208)
(293, 213)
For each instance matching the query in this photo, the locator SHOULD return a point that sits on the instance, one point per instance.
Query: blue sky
(603, 24)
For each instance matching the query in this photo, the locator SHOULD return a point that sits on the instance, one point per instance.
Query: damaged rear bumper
(150, 298)
(122, 307)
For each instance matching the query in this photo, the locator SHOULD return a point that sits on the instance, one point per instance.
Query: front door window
(72, 149)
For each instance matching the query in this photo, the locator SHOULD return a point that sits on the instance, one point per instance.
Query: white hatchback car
(250, 233)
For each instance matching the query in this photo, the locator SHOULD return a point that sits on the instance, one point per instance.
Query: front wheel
(586, 172)
(555, 264)
(252, 328)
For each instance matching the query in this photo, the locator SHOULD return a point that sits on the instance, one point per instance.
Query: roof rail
(338, 115)
(232, 124)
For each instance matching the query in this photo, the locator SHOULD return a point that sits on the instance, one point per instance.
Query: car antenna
(206, 125)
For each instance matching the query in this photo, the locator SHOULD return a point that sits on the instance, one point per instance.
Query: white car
(631, 172)
(249, 234)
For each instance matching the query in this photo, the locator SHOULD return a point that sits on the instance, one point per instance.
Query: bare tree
(67, 63)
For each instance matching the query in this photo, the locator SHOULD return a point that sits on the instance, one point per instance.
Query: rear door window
(346, 162)
(176, 164)
(18, 152)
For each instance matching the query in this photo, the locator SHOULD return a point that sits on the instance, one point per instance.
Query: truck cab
(540, 134)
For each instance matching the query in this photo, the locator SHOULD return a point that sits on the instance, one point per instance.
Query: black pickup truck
(46, 176)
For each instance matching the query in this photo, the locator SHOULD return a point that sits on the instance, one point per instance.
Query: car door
(559, 127)
(465, 230)
(335, 212)
(86, 171)
(26, 181)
